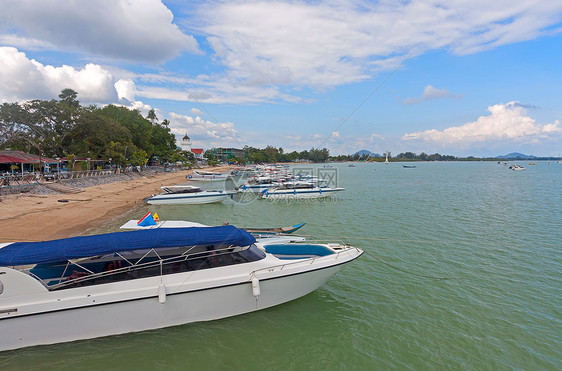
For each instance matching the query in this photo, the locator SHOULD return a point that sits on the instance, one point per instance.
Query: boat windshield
(168, 190)
(141, 264)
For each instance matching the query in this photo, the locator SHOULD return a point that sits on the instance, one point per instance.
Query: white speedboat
(259, 184)
(185, 194)
(206, 176)
(516, 167)
(298, 190)
(93, 286)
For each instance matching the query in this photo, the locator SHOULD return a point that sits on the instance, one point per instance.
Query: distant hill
(516, 156)
(366, 152)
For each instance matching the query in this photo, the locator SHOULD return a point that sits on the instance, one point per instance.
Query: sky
(456, 77)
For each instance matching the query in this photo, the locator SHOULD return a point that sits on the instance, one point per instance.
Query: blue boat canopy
(24, 253)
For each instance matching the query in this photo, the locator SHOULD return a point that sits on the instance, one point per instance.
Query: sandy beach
(33, 217)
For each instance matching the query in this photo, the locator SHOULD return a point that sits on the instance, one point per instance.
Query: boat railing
(66, 281)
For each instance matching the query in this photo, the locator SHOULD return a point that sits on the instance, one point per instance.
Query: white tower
(185, 144)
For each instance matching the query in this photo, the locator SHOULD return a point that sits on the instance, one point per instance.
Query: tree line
(64, 128)
(272, 154)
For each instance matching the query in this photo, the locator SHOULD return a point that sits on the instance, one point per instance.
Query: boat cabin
(121, 256)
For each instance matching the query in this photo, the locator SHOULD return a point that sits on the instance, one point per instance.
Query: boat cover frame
(24, 253)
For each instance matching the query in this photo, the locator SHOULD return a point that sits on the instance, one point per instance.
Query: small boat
(298, 190)
(351, 165)
(409, 166)
(259, 184)
(93, 286)
(206, 176)
(282, 230)
(134, 224)
(185, 194)
(516, 167)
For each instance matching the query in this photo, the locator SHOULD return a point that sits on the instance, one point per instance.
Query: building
(226, 154)
(185, 145)
(20, 162)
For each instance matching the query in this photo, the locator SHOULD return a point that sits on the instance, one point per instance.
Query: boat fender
(256, 287)
(161, 293)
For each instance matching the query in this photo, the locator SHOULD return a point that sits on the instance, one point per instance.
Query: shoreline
(33, 217)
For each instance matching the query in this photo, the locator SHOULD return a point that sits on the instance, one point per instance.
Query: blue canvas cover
(23, 253)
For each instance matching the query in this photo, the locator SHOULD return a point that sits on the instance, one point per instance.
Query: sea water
(462, 270)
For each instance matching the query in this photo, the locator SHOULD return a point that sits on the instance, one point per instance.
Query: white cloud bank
(266, 51)
(22, 78)
(140, 30)
(506, 122)
(325, 44)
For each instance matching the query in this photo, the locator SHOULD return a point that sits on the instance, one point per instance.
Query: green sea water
(462, 270)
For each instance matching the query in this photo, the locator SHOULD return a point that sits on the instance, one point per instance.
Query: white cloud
(126, 89)
(196, 111)
(141, 30)
(431, 93)
(506, 122)
(325, 44)
(206, 133)
(22, 78)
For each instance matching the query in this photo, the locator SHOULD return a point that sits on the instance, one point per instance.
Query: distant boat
(298, 190)
(409, 166)
(516, 167)
(351, 165)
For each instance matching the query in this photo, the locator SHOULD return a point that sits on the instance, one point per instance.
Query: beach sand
(32, 217)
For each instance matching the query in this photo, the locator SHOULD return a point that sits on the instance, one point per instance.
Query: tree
(68, 96)
(152, 116)
(187, 155)
(139, 158)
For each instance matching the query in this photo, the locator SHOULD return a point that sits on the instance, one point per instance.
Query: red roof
(197, 151)
(20, 157)
(5, 159)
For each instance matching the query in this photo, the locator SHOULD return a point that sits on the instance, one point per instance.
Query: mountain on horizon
(516, 156)
(366, 152)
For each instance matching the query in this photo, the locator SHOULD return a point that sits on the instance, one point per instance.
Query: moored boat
(206, 176)
(298, 190)
(93, 286)
(135, 224)
(185, 194)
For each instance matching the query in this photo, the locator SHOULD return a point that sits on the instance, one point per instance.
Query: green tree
(139, 158)
(68, 96)
(151, 116)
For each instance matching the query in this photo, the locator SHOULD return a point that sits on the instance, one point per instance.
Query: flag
(146, 220)
(156, 218)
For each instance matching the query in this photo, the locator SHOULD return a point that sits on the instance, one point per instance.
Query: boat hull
(299, 194)
(183, 199)
(157, 302)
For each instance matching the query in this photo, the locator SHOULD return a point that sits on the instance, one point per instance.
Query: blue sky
(456, 77)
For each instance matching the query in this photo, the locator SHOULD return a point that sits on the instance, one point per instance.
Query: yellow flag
(156, 218)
